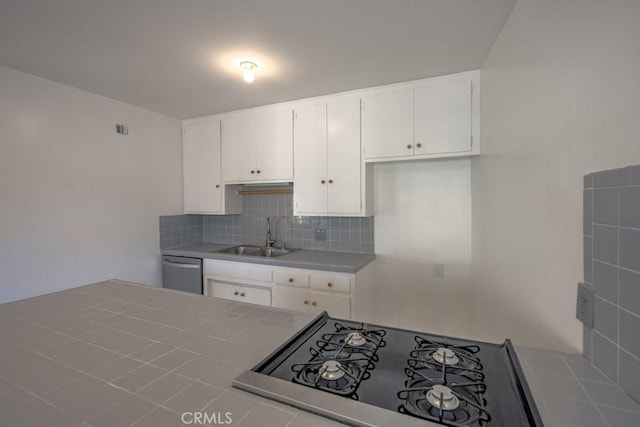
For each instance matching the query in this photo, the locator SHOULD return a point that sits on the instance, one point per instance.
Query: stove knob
(314, 303)
(306, 302)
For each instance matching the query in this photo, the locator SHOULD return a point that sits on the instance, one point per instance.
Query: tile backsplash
(343, 234)
(611, 220)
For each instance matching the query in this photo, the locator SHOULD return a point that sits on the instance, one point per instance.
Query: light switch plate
(584, 305)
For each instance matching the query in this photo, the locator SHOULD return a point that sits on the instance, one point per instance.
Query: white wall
(560, 98)
(422, 217)
(79, 203)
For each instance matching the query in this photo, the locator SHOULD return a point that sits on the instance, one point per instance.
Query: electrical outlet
(321, 234)
(438, 271)
(584, 305)
(122, 129)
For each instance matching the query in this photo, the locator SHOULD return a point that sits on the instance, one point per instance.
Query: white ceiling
(176, 56)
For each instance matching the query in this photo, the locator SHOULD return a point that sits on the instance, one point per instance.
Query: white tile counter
(119, 354)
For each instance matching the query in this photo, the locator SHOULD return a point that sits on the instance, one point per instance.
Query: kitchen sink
(251, 250)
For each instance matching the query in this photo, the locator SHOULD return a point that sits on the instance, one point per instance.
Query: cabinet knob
(418, 145)
(236, 293)
(290, 279)
(330, 181)
(408, 145)
(253, 171)
(314, 303)
(217, 185)
(258, 171)
(306, 302)
(322, 181)
(242, 294)
(330, 285)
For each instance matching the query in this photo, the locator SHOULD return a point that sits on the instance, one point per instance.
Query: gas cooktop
(369, 375)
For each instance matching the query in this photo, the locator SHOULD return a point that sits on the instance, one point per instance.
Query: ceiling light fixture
(248, 69)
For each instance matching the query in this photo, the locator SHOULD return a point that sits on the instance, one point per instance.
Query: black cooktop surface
(477, 383)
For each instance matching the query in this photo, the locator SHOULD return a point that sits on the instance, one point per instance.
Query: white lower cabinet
(342, 295)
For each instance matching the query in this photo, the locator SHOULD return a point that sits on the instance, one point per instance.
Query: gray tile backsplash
(343, 234)
(179, 230)
(611, 215)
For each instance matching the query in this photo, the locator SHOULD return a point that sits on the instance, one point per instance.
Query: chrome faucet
(269, 242)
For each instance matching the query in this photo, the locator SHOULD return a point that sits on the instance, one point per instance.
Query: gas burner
(331, 370)
(450, 404)
(460, 357)
(445, 356)
(442, 397)
(355, 339)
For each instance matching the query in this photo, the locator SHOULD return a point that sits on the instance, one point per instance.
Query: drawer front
(330, 283)
(292, 278)
(239, 270)
(336, 304)
(261, 296)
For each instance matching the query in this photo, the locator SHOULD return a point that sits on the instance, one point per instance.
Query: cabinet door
(310, 159)
(343, 156)
(443, 118)
(274, 144)
(239, 148)
(201, 165)
(290, 298)
(337, 305)
(387, 124)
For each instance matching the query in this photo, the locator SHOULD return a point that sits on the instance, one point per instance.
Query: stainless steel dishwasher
(182, 274)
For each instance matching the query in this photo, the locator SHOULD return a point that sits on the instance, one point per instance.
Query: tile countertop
(120, 354)
(304, 258)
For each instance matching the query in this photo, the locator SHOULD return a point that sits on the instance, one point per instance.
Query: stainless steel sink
(250, 250)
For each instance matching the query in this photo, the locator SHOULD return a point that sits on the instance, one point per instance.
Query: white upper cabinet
(387, 124)
(257, 145)
(328, 175)
(239, 147)
(426, 119)
(343, 157)
(203, 188)
(274, 144)
(442, 118)
(310, 158)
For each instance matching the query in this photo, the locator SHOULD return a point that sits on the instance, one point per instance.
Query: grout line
(593, 403)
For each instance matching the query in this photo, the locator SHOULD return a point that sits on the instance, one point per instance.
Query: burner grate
(444, 383)
(341, 360)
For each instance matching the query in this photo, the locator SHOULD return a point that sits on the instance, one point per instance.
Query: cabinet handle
(242, 294)
(253, 171)
(290, 279)
(314, 303)
(306, 302)
(408, 145)
(236, 293)
(330, 285)
(322, 181)
(330, 181)
(418, 145)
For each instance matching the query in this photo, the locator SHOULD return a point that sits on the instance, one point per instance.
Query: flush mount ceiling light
(248, 69)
